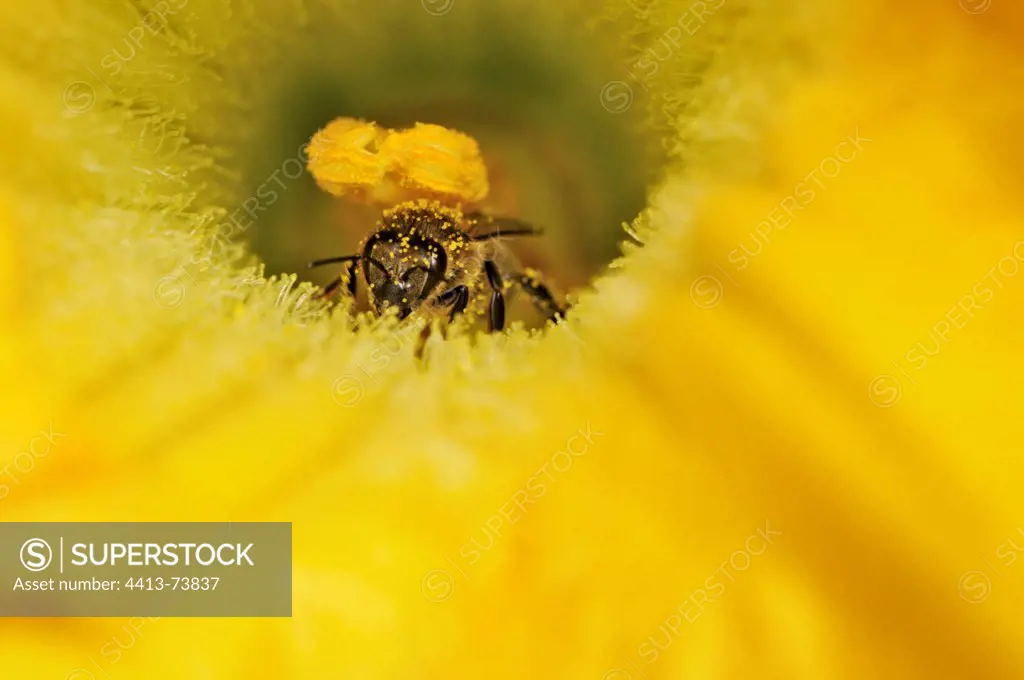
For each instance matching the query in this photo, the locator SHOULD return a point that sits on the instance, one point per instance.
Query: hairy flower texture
(776, 441)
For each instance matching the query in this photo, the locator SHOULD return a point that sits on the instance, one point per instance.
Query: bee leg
(329, 290)
(421, 342)
(350, 271)
(461, 302)
(457, 297)
(497, 306)
(541, 296)
(348, 278)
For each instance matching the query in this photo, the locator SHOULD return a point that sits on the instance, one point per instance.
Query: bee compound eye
(415, 279)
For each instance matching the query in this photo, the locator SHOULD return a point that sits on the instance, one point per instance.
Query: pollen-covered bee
(426, 254)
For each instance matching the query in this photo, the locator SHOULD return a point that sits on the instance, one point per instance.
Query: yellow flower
(777, 441)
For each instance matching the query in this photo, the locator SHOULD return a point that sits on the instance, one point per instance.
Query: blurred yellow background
(777, 441)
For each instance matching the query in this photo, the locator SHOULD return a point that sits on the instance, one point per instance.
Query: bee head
(402, 270)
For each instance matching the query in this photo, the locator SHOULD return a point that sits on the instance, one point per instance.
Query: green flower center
(565, 150)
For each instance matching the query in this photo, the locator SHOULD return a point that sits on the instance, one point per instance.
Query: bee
(425, 256)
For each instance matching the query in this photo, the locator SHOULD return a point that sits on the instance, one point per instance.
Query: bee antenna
(522, 231)
(331, 260)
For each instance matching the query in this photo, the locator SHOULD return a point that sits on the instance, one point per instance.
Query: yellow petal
(777, 441)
